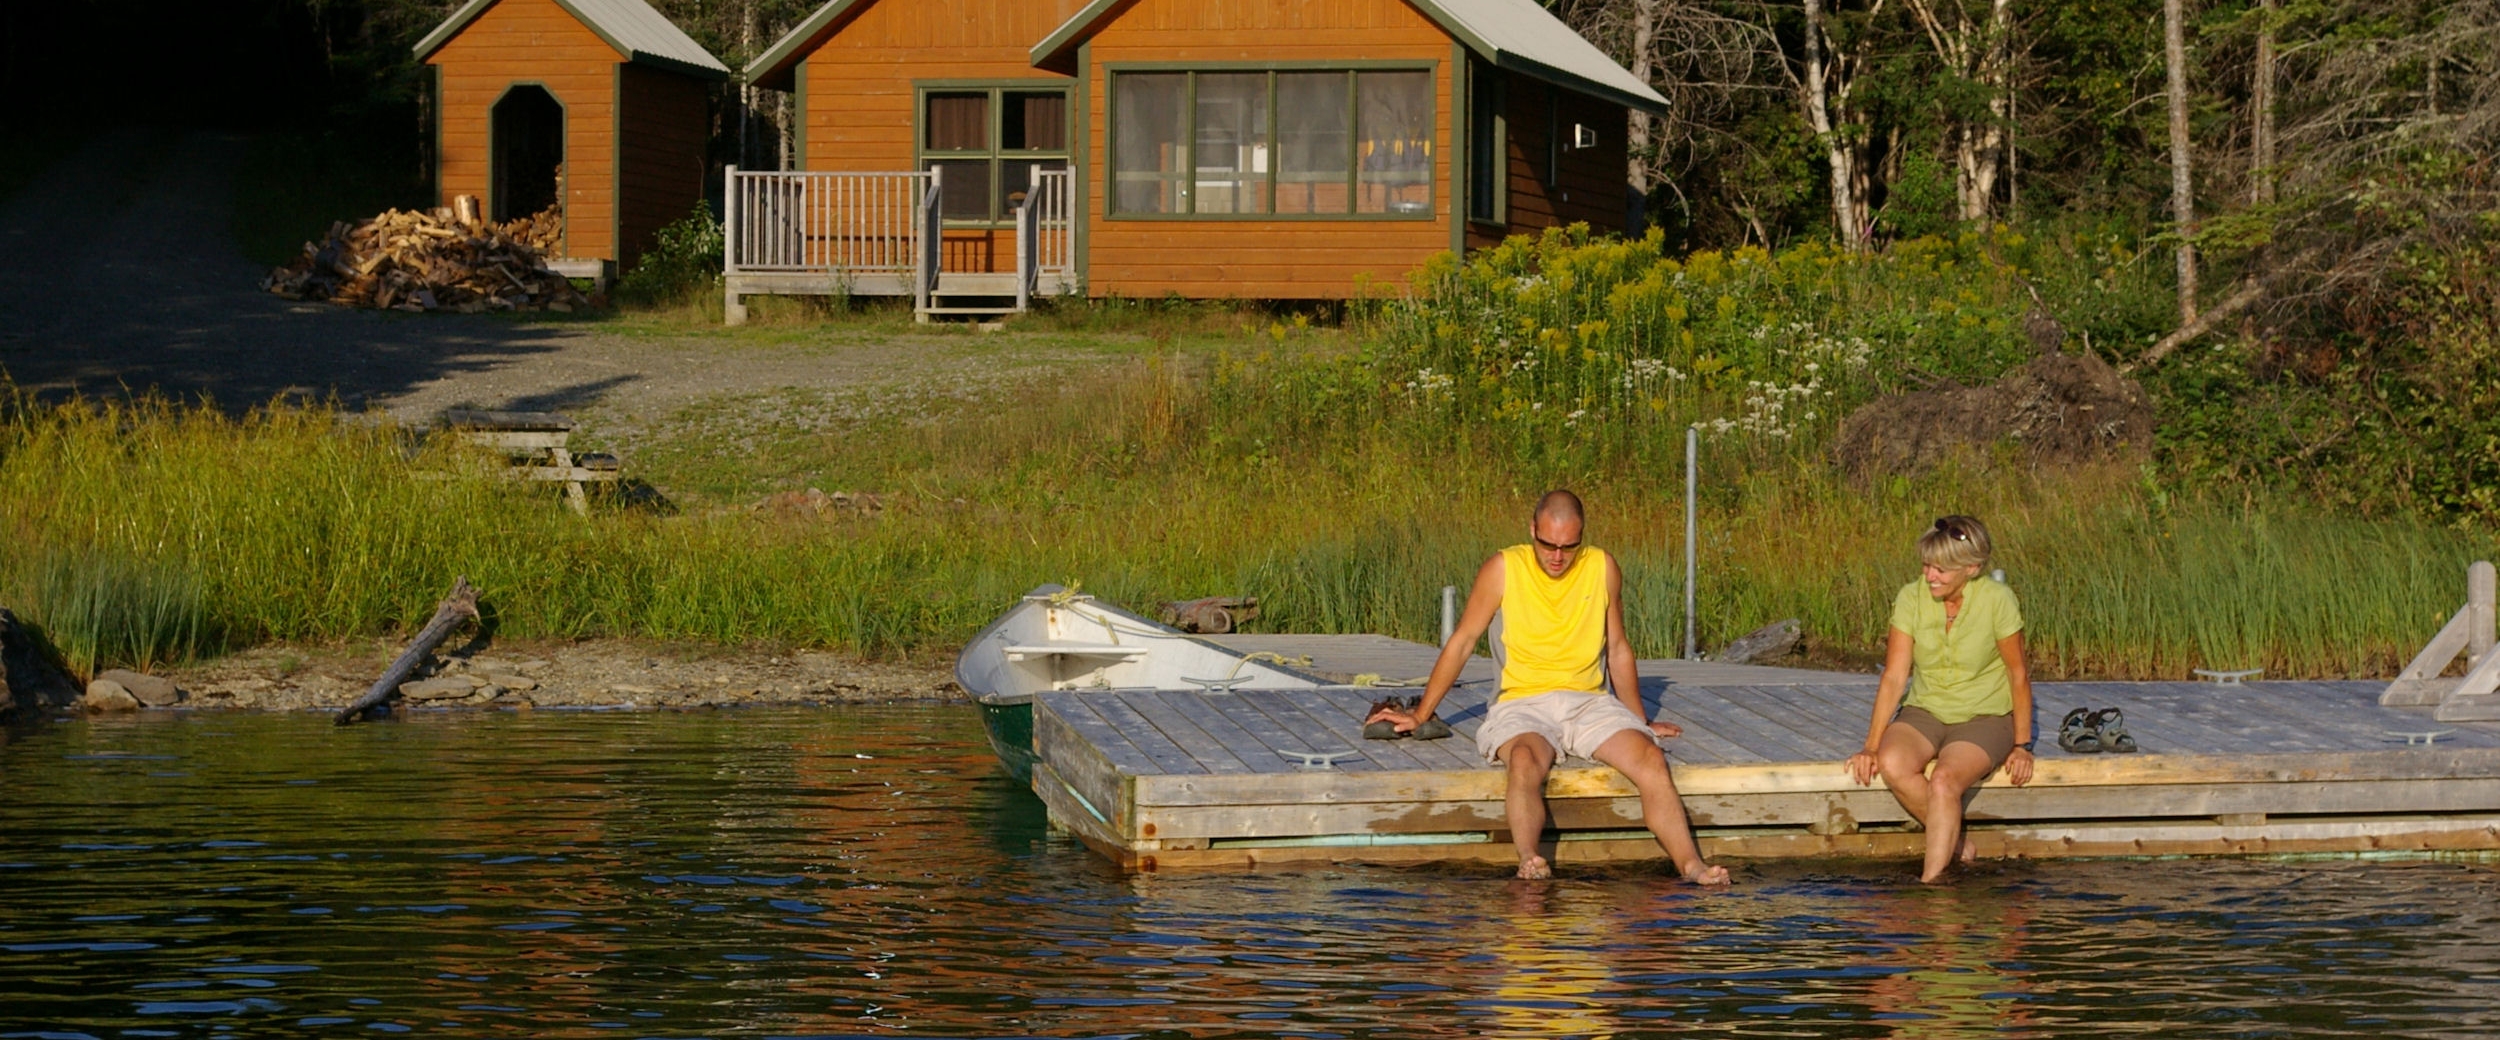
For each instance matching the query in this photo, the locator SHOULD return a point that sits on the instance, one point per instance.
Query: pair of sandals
(1383, 729)
(2089, 732)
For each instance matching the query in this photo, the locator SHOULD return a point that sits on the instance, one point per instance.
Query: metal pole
(1692, 534)
(1449, 613)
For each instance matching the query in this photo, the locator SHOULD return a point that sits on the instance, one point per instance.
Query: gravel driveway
(117, 271)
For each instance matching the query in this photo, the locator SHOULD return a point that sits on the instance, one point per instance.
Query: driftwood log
(460, 606)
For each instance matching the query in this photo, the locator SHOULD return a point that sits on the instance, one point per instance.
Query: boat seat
(1026, 653)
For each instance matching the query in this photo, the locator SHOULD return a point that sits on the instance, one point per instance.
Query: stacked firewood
(432, 260)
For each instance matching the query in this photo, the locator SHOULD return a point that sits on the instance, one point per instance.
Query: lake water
(865, 872)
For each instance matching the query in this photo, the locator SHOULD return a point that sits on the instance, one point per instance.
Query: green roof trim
(1514, 35)
(769, 68)
(631, 27)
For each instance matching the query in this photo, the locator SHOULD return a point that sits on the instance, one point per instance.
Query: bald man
(1555, 608)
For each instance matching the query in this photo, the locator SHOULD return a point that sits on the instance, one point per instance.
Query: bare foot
(1534, 868)
(1707, 874)
(1970, 852)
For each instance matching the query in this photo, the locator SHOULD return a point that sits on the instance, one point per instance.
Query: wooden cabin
(1275, 149)
(596, 106)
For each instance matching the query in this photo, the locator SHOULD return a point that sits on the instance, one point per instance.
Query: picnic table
(536, 443)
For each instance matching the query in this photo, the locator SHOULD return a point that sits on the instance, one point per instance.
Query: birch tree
(2182, 179)
(1826, 83)
(1975, 48)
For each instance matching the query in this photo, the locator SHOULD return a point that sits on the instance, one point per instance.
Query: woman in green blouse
(1969, 705)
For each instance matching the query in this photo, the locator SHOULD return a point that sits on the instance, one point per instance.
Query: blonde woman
(1969, 704)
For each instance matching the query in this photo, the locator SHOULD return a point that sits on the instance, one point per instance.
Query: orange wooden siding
(666, 134)
(859, 88)
(1273, 259)
(534, 41)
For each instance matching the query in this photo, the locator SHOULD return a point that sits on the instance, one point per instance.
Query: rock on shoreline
(588, 673)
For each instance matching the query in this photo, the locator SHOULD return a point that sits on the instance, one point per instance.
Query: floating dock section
(1175, 780)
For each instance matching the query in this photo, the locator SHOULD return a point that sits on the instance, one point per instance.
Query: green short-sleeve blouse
(1958, 675)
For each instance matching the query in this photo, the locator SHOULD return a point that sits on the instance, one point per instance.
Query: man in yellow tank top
(1555, 610)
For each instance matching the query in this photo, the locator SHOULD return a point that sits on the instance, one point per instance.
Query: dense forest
(2314, 178)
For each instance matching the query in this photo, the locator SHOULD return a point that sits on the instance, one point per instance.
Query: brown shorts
(1993, 734)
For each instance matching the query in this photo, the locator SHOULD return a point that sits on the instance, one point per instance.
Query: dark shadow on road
(118, 275)
(579, 395)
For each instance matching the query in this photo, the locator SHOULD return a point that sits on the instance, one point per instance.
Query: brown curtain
(1045, 121)
(958, 123)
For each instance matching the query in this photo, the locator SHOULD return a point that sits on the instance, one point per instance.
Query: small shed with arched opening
(596, 107)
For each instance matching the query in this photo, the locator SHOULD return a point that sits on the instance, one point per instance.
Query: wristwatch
(2026, 745)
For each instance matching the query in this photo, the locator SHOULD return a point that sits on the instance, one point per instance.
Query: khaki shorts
(1993, 734)
(1575, 723)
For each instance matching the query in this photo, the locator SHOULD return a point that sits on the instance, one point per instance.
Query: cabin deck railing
(816, 222)
(882, 234)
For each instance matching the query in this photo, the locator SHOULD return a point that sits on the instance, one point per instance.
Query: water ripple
(746, 872)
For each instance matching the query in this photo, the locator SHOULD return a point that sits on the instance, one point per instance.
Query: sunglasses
(1566, 547)
(1951, 528)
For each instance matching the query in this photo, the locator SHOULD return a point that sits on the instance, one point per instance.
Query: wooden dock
(1168, 779)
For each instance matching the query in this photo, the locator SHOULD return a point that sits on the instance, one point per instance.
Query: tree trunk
(2261, 110)
(459, 607)
(1848, 217)
(2182, 181)
(1638, 136)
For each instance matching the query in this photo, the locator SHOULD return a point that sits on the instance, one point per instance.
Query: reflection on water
(866, 873)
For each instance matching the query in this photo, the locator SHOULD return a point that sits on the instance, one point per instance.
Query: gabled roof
(642, 35)
(1518, 35)
(770, 68)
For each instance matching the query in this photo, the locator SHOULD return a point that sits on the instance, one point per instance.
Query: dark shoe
(2112, 726)
(1431, 729)
(2078, 734)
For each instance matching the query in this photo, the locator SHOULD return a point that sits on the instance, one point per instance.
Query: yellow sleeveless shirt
(1553, 632)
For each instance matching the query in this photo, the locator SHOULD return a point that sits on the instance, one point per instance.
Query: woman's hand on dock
(1861, 767)
(2018, 765)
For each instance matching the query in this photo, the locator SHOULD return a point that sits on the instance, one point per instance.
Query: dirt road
(117, 272)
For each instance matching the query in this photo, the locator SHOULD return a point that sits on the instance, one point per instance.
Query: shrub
(684, 258)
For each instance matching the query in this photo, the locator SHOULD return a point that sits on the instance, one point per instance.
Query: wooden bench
(536, 442)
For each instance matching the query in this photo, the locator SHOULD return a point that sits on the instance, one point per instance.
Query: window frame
(1189, 131)
(1001, 217)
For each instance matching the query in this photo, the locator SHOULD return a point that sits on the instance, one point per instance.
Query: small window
(1231, 143)
(958, 123)
(986, 143)
(1311, 142)
(1034, 121)
(1150, 161)
(1393, 138)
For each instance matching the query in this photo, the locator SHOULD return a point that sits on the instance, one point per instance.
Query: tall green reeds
(102, 610)
(144, 533)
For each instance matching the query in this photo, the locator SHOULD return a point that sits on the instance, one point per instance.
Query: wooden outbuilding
(599, 107)
(1278, 149)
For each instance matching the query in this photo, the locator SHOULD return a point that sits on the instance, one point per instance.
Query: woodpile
(433, 261)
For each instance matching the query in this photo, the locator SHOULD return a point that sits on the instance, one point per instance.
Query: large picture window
(989, 140)
(1232, 143)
